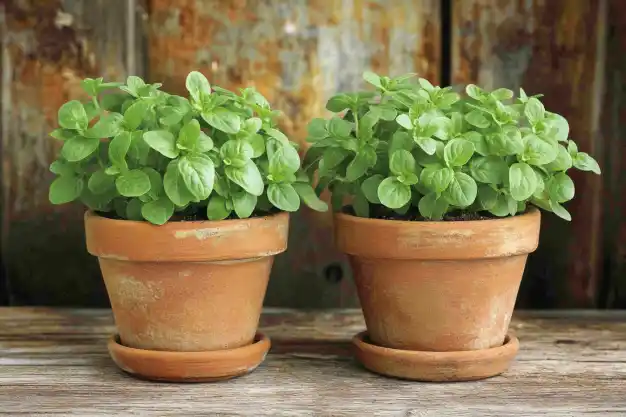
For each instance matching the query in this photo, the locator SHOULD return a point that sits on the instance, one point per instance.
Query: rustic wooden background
(298, 53)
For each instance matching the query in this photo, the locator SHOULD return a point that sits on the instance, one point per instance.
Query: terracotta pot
(438, 286)
(186, 286)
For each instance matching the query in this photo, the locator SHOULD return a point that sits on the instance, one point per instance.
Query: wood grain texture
(54, 362)
(298, 54)
(47, 48)
(554, 47)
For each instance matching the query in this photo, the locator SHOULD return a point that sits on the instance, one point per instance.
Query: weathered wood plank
(55, 362)
(554, 47)
(298, 54)
(47, 48)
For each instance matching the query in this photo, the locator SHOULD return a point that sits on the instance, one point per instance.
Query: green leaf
(502, 94)
(197, 85)
(133, 209)
(538, 151)
(440, 179)
(402, 163)
(534, 110)
(562, 162)
(400, 140)
(257, 143)
(158, 211)
(487, 197)
(372, 78)
(133, 183)
(175, 187)
(133, 116)
(198, 173)
(170, 115)
(489, 169)
(561, 188)
(338, 103)
(283, 197)
(100, 182)
(163, 142)
(560, 211)
(501, 206)
(284, 161)
(404, 121)
(330, 159)
(317, 130)
(572, 148)
(522, 181)
(247, 177)
(425, 84)
(72, 115)
(584, 162)
(156, 182)
(393, 194)
(308, 196)
(236, 152)
(458, 152)
(223, 119)
(79, 148)
(65, 189)
(558, 126)
(108, 126)
(432, 207)
(507, 142)
(477, 119)
(62, 168)
(360, 164)
(428, 145)
(473, 91)
(480, 143)
(361, 206)
(244, 204)
(369, 187)
(189, 135)
(339, 128)
(462, 190)
(216, 209)
(63, 134)
(133, 85)
(118, 148)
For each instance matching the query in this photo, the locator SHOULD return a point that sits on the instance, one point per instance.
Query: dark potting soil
(413, 215)
(191, 216)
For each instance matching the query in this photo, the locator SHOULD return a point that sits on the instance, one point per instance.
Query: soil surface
(413, 215)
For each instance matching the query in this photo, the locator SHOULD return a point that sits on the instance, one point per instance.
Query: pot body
(187, 286)
(438, 286)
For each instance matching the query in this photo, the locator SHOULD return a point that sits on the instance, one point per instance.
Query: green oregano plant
(416, 151)
(136, 153)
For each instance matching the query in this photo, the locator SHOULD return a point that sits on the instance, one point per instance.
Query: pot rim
(186, 241)
(438, 240)
(532, 210)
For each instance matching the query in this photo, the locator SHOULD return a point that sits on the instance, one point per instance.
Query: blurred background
(298, 53)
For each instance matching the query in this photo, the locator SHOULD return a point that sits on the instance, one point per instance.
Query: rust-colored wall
(298, 53)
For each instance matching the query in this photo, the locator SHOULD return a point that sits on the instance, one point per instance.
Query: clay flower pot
(437, 296)
(187, 296)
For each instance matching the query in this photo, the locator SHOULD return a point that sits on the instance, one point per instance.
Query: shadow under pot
(437, 296)
(187, 296)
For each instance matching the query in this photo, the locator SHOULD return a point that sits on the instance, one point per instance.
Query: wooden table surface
(55, 362)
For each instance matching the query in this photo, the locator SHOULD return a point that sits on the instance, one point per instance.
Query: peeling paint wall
(47, 48)
(298, 53)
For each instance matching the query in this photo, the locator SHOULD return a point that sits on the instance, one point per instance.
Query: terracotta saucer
(435, 366)
(189, 366)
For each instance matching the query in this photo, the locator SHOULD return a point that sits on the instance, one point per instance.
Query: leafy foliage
(416, 147)
(145, 154)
